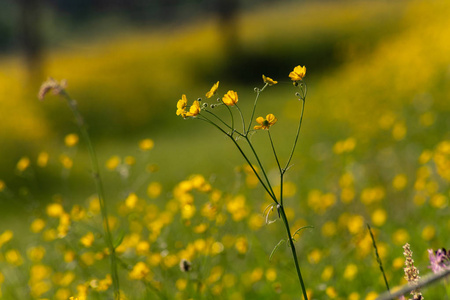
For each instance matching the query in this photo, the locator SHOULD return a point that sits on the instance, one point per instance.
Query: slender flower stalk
(229, 100)
(59, 89)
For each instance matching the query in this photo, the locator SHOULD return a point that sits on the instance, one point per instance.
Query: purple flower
(439, 259)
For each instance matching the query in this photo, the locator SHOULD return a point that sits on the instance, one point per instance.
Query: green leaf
(301, 228)
(275, 249)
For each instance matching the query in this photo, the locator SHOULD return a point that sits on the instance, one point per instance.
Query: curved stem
(222, 121)
(267, 188)
(296, 136)
(294, 253)
(258, 91)
(272, 194)
(242, 118)
(100, 190)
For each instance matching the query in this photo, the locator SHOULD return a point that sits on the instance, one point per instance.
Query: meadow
(187, 215)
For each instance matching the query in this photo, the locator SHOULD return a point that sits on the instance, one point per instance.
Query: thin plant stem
(258, 92)
(296, 136)
(210, 112)
(378, 257)
(274, 152)
(244, 155)
(294, 253)
(242, 118)
(100, 190)
(260, 165)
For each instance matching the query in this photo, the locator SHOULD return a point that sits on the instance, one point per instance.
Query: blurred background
(128, 62)
(378, 72)
(378, 77)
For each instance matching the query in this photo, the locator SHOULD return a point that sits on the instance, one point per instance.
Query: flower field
(192, 212)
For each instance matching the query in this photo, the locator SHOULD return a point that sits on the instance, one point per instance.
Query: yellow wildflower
(213, 90)
(194, 110)
(23, 164)
(146, 144)
(42, 159)
(230, 98)
(181, 106)
(265, 123)
(298, 73)
(55, 210)
(71, 140)
(112, 163)
(87, 240)
(269, 80)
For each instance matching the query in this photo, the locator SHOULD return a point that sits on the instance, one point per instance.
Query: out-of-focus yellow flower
(55, 210)
(94, 205)
(13, 257)
(113, 162)
(5, 237)
(87, 240)
(371, 296)
(256, 275)
(154, 190)
(217, 247)
(255, 222)
(371, 195)
(129, 160)
(146, 144)
(329, 229)
(327, 273)
(42, 159)
(238, 208)
(181, 284)
(269, 80)
(314, 256)
(355, 224)
(265, 123)
(66, 161)
(77, 213)
(213, 90)
(23, 164)
(71, 139)
(241, 245)
(131, 200)
(350, 271)
(88, 258)
(331, 292)
(439, 201)
(201, 228)
(230, 98)
(399, 131)
(2, 185)
(353, 296)
(36, 254)
(400, 237)
(194, 110)
(379, 217)
(271, 274)
(181, 106)
(398, 262)
(399, 182)
(428, 232)
(298, 73)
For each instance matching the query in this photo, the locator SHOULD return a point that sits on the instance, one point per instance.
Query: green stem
(296, 136)
(292, 246)
(100, 190)
(242, 118)
(258, 91)
(272, 194)
(269, 191)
